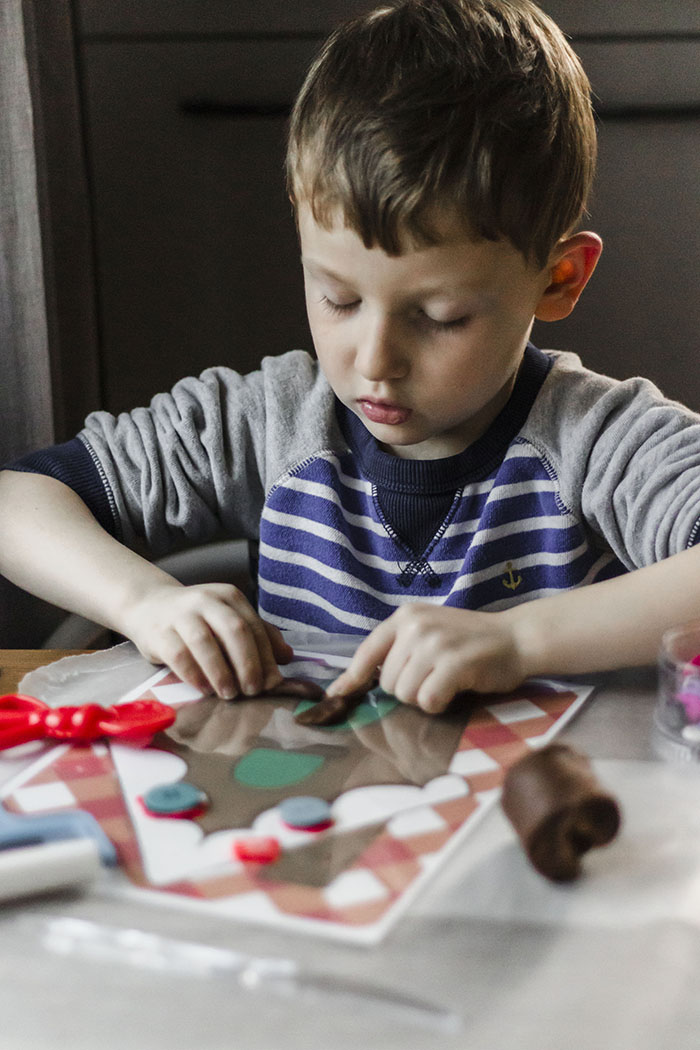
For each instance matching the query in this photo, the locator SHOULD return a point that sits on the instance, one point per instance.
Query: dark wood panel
(640, 315)
(196, 246)
(624, 17)
(193, 17)
(197, 17)
(631, 75)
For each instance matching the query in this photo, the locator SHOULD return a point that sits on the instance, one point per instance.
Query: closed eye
(444, 326)
(343, 309)
(338, 308)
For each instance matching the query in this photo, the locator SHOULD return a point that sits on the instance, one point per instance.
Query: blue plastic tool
(23, 830)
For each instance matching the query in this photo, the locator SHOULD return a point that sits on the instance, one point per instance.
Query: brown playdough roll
(558, 809)
(330, 709)
(303, 688)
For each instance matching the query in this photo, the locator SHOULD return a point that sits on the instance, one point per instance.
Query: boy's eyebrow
(316, 267)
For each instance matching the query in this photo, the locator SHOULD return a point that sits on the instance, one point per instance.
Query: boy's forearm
(617, 623)
(52, 546)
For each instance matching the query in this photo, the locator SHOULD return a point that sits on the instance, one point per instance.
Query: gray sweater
(581, 477)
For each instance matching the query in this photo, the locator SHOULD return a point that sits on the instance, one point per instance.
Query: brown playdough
(330, 709)
(303, 688)
(558, 809)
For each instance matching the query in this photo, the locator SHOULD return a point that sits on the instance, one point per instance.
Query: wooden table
(15, 663)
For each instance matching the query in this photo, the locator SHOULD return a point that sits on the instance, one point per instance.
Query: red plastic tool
(23, 719)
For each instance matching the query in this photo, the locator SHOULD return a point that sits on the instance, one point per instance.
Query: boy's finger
(177, 654)
(188, 670)
(248, 648)
(363, 667)
(347, 684)
(281, 649)
(244, 650)
(205, 649)
(270, 674)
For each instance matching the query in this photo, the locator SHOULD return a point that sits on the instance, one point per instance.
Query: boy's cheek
(333, 360)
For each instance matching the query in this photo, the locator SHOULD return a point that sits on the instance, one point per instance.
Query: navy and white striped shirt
(332, 556)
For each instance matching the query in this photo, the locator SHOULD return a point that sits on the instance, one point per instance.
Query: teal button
(177, 798)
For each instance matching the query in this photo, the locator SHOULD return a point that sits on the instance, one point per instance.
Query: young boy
(433, 481)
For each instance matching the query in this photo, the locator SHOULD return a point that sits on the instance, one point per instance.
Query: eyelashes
(341, 309)
(445, 326)
(345, 309)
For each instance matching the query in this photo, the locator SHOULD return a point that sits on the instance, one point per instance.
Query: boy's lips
(383, 411)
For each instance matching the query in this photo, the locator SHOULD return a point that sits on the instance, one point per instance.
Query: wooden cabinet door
(640, 315)
(196, 248)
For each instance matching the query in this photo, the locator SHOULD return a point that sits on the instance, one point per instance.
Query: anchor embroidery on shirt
(513, 581)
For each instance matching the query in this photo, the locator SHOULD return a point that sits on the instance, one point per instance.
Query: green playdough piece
(263, 767)
(372, 709)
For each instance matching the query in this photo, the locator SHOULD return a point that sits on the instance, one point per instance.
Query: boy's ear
(570, 267)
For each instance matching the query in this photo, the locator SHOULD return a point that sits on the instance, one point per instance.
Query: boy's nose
(380, 354)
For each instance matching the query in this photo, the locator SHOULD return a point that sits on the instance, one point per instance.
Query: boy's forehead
(336, 251)
(445, 224)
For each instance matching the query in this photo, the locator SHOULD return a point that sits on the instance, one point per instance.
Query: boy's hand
(209, 635)
(427, 654)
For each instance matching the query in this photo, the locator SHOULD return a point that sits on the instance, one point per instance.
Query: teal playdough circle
(376, 705)
(263, 767)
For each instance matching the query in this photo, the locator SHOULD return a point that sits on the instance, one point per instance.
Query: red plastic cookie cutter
(23, 719)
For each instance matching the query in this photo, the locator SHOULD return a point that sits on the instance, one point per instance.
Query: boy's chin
(428, 448)
(407, 442)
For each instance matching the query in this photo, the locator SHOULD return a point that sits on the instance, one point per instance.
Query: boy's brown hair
(479, 107)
